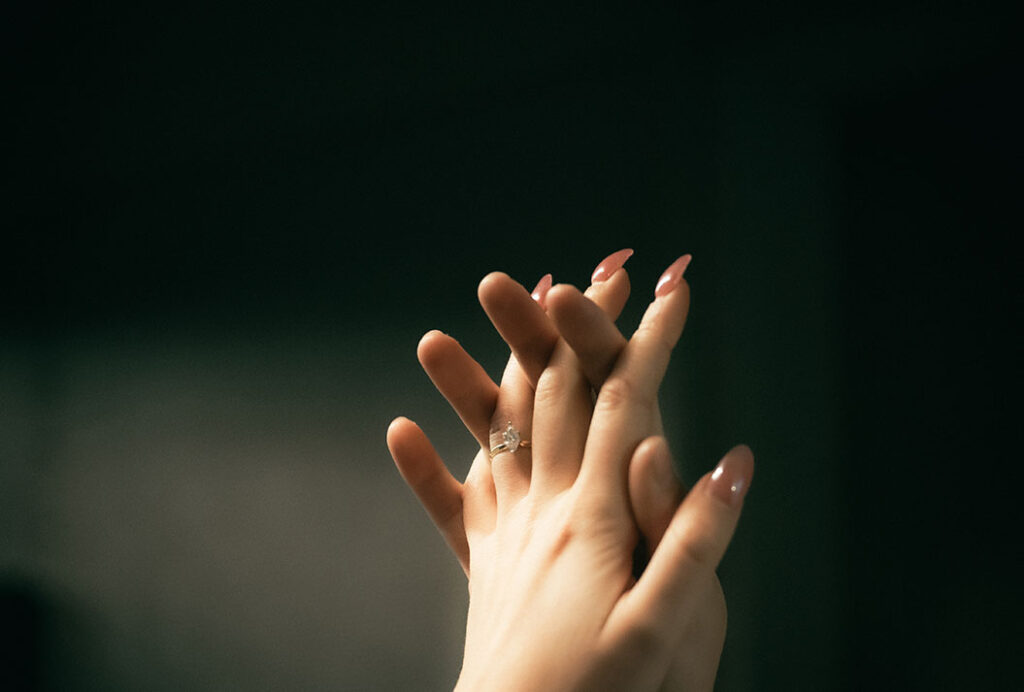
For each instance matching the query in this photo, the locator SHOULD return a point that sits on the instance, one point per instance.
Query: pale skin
(546, 534)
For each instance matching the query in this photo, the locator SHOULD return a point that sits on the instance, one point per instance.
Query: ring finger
(509, 444)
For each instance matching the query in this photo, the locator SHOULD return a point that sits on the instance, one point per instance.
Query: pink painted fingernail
(731, 478)
(670, 279)
(541, 291)
(609, 265)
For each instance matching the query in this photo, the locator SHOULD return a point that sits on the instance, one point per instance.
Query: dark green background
(225, 229)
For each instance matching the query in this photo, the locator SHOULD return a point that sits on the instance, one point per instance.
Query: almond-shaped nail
(609, 265)
(670, 279)
(731, 478)
(540, 293)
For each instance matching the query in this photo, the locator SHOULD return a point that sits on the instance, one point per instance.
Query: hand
(654, 489)
(589, 328)
(474, 396)
(652, 449)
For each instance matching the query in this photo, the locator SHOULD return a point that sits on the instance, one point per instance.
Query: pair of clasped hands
(560, 596)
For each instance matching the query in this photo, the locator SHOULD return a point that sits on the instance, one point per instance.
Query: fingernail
(670, 279)
(731, 479)
(609, 265)
(541, 291)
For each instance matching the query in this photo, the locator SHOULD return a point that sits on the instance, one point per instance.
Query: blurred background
(225, 229)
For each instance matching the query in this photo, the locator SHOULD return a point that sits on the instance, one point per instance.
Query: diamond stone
(511, 438)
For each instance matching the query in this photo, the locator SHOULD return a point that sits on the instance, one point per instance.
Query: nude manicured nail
(609, 265)
(540, 293)
(670, 279)
(731, 479)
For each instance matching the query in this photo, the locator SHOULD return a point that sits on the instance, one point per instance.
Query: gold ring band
(511, 440)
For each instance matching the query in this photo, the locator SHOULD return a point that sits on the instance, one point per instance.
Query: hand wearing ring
(567, 484)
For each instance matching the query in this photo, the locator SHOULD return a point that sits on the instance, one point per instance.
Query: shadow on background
(225, 231)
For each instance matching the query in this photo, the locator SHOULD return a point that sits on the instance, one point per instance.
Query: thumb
(654, 489)
(690, 549)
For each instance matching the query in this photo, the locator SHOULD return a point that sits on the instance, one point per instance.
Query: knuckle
(699, 551)
(580, 523)
(551, 385)
(560, 530)
(657, 337)
(617, 392)
(563, 535)
(646, 638)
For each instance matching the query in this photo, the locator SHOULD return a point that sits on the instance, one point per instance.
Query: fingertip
(391, 438)
(395, 429)
(610, 265)
(432, 334)
(654, 489)
(491, 283)
(429, 338)
(411, 450)
(618, 281)
(611, 295)
(612, 283)
(654, 461)
(499, 293)
(672, 276)
(561, 295)
(540, 292)
(681, 292)
(430, 346)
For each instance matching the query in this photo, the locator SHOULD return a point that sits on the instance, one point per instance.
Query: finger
(562, 408)
(461, 380)
(511, 461)
(628, 398)
(519, 316)
(590, 332)
(540, 291)
(666, 595)
(654, 490)
(563, 401)
(438, 491)
(609, 284)
(521, 322)
(645, 358)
